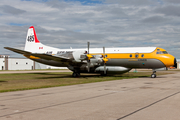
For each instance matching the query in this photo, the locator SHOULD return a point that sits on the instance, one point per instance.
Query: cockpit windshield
(164, 52)
(161, 52)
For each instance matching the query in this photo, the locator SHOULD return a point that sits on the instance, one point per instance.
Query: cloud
(155, 19)
(56, 4)
(170, 10)
(11, 10)
(156, 40)
(109, 23)
(172, 1)
(131, 2)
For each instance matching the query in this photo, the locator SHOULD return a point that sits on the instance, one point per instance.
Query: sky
(108, 23)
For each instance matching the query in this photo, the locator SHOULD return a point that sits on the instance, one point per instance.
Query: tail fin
(32, 43)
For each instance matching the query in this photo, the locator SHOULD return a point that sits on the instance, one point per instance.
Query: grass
(27, 81)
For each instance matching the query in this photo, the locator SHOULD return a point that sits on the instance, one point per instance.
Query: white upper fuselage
(40, 48)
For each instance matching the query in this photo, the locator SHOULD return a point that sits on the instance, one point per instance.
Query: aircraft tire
(153, 75)
(75, 74)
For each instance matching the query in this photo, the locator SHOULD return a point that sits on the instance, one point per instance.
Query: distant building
(8, 63)
(178, 63)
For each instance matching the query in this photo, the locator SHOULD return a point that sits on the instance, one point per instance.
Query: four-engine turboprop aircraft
(97, 60)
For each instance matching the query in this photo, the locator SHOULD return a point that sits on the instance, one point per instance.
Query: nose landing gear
(153, 75)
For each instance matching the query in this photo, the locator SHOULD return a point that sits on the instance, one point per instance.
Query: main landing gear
(75, 74)
(153, 75)
(103, 74)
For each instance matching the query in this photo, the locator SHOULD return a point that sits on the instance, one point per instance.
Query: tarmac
(127, 99)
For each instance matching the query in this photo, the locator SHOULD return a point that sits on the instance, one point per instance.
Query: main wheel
(75, 74)
(153, 75)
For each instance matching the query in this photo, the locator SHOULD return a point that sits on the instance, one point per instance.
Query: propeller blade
(104, 57)
(88, 65)
(88, 47)
(88, 61)
(104, 68)
(103, 52)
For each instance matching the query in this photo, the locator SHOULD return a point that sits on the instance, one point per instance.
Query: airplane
(96, 60)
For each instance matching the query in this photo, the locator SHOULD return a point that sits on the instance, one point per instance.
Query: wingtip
(6, 47)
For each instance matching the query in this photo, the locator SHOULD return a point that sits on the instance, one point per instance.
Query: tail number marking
(30, 38)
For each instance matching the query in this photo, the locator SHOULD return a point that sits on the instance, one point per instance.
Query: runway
(127, 99)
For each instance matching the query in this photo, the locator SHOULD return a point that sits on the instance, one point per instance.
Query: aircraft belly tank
(114, 69)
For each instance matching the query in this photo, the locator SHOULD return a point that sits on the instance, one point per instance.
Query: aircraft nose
(175, 63)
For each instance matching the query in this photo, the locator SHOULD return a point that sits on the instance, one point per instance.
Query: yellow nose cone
(168, 60)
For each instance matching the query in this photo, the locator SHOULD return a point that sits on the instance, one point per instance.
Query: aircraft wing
(18, 51)
(40, 55)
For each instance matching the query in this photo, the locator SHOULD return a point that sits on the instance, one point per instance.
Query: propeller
(90, 56)
(105, 60)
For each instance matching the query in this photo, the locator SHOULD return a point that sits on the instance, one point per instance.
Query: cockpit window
(164, 52)
(161, 52)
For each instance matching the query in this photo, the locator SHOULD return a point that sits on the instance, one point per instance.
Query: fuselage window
(142, 55)
(130, 55)
(136, 55)
(158, 51)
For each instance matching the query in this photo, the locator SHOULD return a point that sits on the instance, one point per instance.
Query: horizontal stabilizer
(18, 51)
(40, 55)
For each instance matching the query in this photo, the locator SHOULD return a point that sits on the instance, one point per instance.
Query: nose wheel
(153, 75)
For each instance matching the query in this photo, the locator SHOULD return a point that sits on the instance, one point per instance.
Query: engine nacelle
(79, 55)
(113, 69)
(161, 69)
(96, 60)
